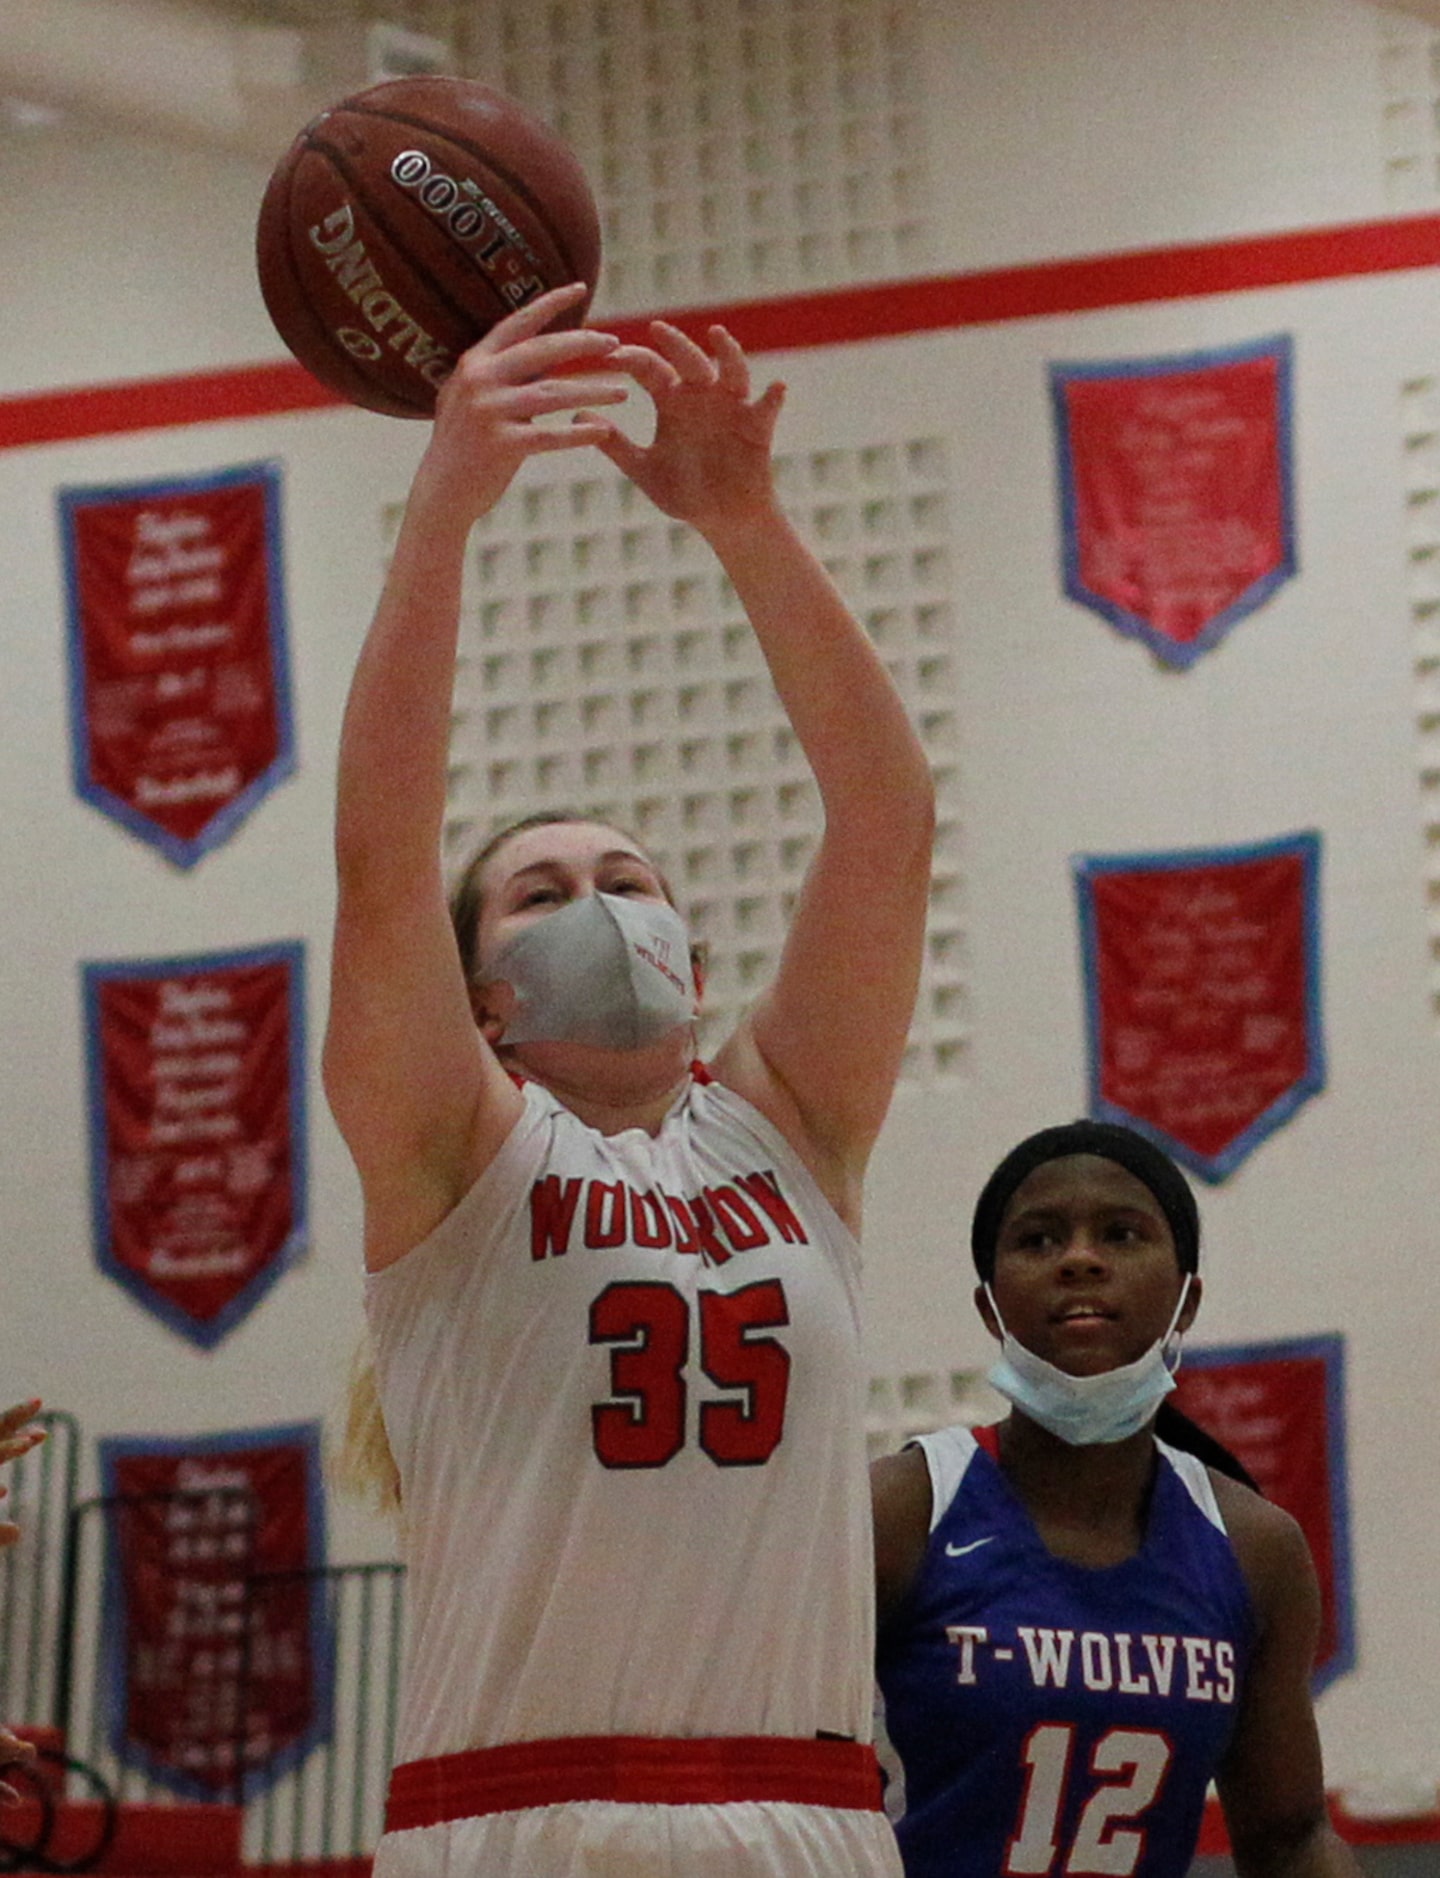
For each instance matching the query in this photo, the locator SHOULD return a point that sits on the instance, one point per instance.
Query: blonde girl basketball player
(613, 1294)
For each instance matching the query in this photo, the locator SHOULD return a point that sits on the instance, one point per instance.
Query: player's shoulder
(1268, 1542)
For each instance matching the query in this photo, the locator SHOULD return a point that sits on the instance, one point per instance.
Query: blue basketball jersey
(1054, 1720)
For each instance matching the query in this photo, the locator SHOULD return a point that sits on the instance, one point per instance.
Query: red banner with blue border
(196, 1071)
(213, 1691)
(1176, 490)
(1202, 993)
(1280, 1408)
(179, 675)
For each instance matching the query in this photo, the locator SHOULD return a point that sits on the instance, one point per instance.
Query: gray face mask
(606, 970)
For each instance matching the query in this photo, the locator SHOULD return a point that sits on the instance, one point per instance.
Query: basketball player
(613, 1296)
(1080, 1625)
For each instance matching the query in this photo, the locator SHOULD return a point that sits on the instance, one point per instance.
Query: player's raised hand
(485, 414)
(13, 1753)
(18, 1436)
(17, 1433)
(709, 460)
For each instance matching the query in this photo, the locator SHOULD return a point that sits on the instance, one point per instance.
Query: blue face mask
(605, 970)
(1088, 1410)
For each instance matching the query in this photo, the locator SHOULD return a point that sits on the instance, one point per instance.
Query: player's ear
(987, 1312)
(1192, 1303)
(492, 1005)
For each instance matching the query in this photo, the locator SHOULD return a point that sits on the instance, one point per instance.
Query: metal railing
(330, 1804)
(61, 1658)
(318, 1797)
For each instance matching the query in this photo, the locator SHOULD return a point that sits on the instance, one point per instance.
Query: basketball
(405, 221)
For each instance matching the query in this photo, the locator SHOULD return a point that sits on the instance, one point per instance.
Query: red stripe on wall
(841, 316)
(159, 403)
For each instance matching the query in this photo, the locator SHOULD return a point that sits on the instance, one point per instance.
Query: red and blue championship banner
(196, 1071)
(179, 680)
(1202, 993)
(1175, 490)
(218, 1653)
(1280, 1409)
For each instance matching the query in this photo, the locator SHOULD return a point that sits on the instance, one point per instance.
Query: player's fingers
(560, 394)
(623, 451)
(16, 1417)
(646, 367)
(545, 354)
(768, 404)
(731, 363)
(571, 437)
(691, 361)
(533, 317)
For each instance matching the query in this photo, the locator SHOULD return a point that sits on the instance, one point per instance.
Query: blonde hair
(365, 1466)
(465, 895)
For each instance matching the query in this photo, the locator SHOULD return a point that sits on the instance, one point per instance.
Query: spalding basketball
(405, 221)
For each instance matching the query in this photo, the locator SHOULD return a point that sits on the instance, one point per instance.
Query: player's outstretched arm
(418, 1096)
(1272, 1784)
(820, 1053)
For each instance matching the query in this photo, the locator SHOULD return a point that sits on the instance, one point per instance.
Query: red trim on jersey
(837, 316)
(637, 1769)
(989, 1439)
(700, 1072)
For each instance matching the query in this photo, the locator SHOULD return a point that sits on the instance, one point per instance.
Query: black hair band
(1111, 1142)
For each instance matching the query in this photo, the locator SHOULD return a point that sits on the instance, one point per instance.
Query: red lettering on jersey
(605, 1213)
(686, 1237)
(711, 1249)
(649, 1221)
(744, 1229)
(552, 1211)
(765, 1190)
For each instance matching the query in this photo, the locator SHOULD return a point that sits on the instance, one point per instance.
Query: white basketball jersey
(623, 1384)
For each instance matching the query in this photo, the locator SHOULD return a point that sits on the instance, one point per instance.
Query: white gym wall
(783, 146)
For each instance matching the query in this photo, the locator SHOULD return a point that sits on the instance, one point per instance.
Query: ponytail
(365, 1467)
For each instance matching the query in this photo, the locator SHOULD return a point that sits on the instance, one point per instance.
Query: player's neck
(610, 1090)
(1089, 1504)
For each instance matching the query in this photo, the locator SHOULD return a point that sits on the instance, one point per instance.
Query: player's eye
(1035, 1239)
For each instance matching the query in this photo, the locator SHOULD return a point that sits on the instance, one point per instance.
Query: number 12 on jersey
(648, 1327)
(1100, 1849)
